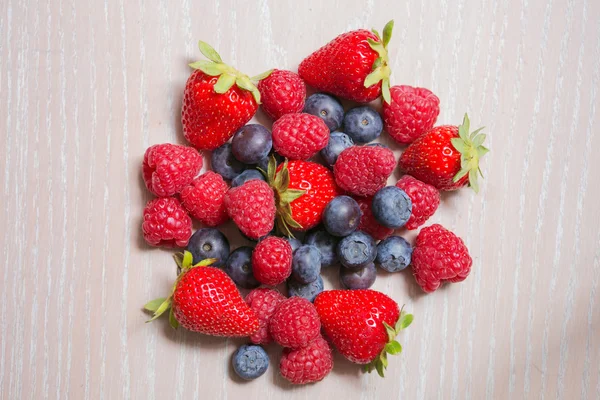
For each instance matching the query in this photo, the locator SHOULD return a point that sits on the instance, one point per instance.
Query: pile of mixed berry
(315, 175)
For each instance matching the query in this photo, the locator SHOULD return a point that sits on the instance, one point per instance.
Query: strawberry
(204, 299)
(446, 157)
(217, 101)
(353, 66)
(362, 325)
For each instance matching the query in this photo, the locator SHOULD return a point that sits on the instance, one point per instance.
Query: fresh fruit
(306, 264)
(250, 361)
(368, 223)
(299, 136)
(294, 243)
(362, 325)
(356, 250)
(282, 92)
(308, 364)
(295, 323)
(341, 216)
(439, 255)
(326, 107)
(412, 112)
(247, 175)
(239, 268)
(264, 302)
(363, 170)
(308, 291)
(391, 207)
(327, 245)
(251, 143)
(425, 200)
(209, 243)
(204, 198)
(264, 163)
(217, 101)
(353, 66)
(447, 157)
(204, 299)
(363, 278)
(393, 254)
(363, 124)
(272, 261)
(252, 208)
(167, 168)
(338, 142)
(166, 223)
(224, 163)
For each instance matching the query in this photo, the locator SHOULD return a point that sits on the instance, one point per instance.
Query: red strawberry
(368, 223)
(411, 113)
(439, 255)
(204, 198)
(295, 323)
(299, 136)
(167, 168)
(363, 170)
(204, 299)
(252, 208)
(282, 92)
(425, 200)
(362, 325)
(272, 260)
(353, 66)
(446, 157)
(217, 101)
(263, 301)
(166, 223)
(308, 364)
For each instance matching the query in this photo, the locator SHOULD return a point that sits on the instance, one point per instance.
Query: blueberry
(209, 243)
(306, 264)
(363, 278)
(309, 292)
(363, 124)
(250, 361)
(251, 143)
(393, 254)
(239, 268)
(224, 163)
(338, 142)
(246, 176)
(391, 207)
(326, 107)
(356, 250)
(326, 244)
(295, 243)
(342, 216)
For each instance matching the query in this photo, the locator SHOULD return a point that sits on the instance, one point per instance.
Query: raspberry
(204, 198)
(411, 113)
(309, 364)
(368, 223)
(439, 255)
(166, 223)
(263, 302)
(364, 170)
(252, 208)
(272, 260)
(167, 168)
(295, 323)
(299, 136)
(281, 93)
(425, 200)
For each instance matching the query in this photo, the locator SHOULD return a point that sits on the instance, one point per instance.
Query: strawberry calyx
(228, 76)
(160, 305)
(392, 347)
(380, 70)
(471, 149)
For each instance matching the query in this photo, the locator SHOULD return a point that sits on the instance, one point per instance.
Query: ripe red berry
(363, 170)
(282, 92)
(263, 301)
(166, 223)
(308, 364)
(167, 168)
(425, 200)
(295, 323)
(204, 198)
(272, 261)
(299, 136)
(252, 208)
(368, 223)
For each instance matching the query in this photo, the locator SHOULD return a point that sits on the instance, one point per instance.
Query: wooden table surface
(86, 86)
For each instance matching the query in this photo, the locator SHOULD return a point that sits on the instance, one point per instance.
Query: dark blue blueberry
(209, 243)
(309, 292)
(326, 107)
(357, 250)
(251, 143)
(246, 176)
(250, 361)
(391, 207)
(363, 124)
(326, 244)
(306, 264)
(338, 142)
(239, 268)
(224, 163)
(295, 243)
(363, 278)
(341, 216)
(393, 254)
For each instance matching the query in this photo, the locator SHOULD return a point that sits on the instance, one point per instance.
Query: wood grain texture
(86, 87)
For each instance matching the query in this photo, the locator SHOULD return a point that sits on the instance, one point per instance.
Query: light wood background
(86, 86)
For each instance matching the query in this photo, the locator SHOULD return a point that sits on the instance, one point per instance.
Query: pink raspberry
(252, 207)
(363, 170)
(167, 168)
(166, 223)
(204, 198)
(425, 200)
(263, 301)
(308, 364)
(272, 260)
(295, 323)
(281, 93)
(299, 136)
